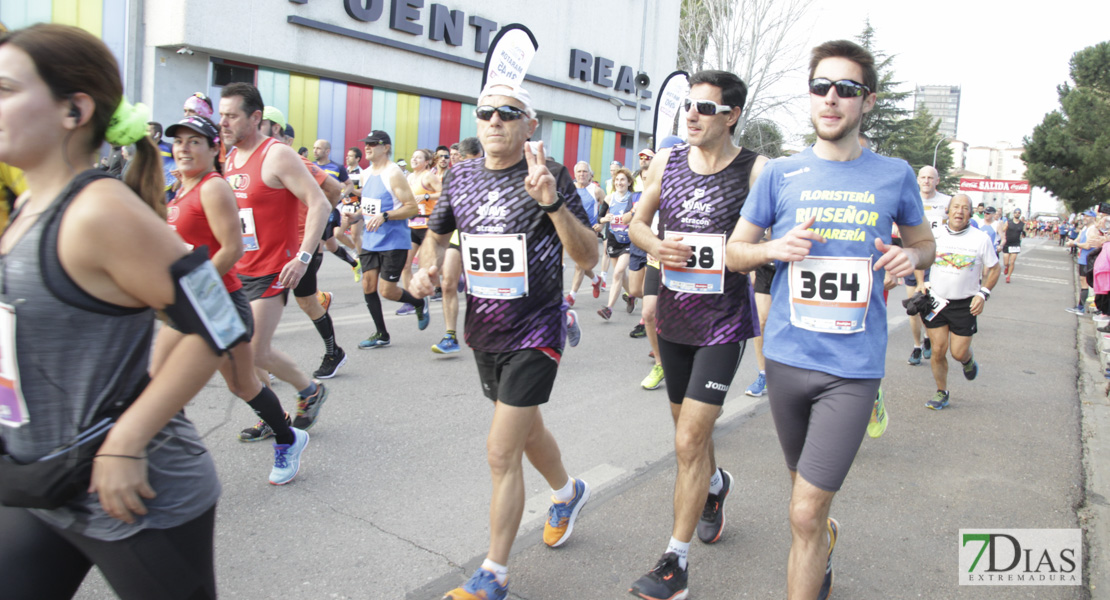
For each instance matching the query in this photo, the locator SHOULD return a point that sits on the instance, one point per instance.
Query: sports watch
(304, 257)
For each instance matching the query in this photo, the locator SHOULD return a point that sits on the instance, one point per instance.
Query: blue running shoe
(561, 516)
(287, 458)
(574, 331)
(423, 315)
(926, 349)
(939, 401)
(448, 345)
(378, 340)
(482, 586)
(759, 387)
(915, 357)
(971, 369)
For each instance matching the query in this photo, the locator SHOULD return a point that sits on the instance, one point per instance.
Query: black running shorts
(518, 378)
(389, 263)
(651, 281)
(636, 258)
(764, 274)
(242, 306)
(820, 419)
(417, 235)
(265, 286)
(957, 316)
(703, 373)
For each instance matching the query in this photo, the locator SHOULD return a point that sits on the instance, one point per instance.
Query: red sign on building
(994, 185)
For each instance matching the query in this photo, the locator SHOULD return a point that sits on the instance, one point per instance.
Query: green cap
(270, 113)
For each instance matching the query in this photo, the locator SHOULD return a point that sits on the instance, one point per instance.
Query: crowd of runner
(718, 244)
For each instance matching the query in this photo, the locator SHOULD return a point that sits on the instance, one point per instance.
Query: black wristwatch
(427, 197)
(554, 206)
(385, 215)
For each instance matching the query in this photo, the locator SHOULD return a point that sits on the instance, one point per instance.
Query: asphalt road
(392, 499)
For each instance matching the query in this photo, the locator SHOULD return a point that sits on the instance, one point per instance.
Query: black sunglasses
(706, 107)
(507, 113)
(443, 156)
(845, 88)
(372, 144)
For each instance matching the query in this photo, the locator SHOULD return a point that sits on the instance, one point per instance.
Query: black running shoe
(331, 364)
(309, 408)
(638, 331)
(260, 431)
(667, 581)
(712, 521)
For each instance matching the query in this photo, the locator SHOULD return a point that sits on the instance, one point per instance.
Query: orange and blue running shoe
(483, 585)
(561, 516)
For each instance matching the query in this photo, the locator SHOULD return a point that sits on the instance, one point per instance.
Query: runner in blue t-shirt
(830, 210)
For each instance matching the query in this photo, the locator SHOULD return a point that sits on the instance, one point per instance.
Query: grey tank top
(78, 354)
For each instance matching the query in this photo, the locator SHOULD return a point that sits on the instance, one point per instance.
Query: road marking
(1044, 279)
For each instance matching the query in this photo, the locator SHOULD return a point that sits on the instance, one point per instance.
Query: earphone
(74, 111)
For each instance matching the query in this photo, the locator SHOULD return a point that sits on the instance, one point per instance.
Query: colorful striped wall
(106, 19)
(342, 113)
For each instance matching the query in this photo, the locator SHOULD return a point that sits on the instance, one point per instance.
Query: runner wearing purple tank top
(705, 313)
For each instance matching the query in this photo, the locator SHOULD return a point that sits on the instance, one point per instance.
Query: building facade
(339, 68)
(942, 102)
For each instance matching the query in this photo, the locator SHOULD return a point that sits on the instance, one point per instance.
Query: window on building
(225, 74)
(626, 141)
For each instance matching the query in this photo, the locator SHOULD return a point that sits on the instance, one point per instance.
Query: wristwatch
(427, 197)
(385, 215)
(304, 257)
(554, 206)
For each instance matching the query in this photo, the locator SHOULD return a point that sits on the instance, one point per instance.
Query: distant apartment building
(1001, 161)
(943, 102)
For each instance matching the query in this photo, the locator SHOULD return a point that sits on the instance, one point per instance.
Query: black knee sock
(342, 254)
(268, 408)
(1083, 297)
(374, 303)
(327, 332)
(410, 299)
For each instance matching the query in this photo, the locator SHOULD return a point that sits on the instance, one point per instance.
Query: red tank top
(320, 176)
(185, 215)
(267, 216)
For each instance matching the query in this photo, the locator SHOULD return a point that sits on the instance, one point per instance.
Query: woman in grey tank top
(82, 264)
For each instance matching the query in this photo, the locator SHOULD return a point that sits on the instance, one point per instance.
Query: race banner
(510, 53)
(994, 185)
(675, 88)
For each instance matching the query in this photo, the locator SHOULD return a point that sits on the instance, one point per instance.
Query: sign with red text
(994, 185)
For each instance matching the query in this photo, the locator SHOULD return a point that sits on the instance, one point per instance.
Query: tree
(886, 117)
(916, 140)
(1069, 151)
(750, 38)
(762, 136)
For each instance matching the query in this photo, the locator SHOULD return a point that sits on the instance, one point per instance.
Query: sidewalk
(1094, 515)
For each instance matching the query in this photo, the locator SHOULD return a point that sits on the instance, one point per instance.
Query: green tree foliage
(1069, 151)
(886, 117)
(916, 140)
(762, 136)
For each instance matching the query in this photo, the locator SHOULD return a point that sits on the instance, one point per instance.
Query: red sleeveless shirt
(185, 215)
(267, 216)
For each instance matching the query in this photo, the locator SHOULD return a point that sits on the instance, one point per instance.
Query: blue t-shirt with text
(854, 202)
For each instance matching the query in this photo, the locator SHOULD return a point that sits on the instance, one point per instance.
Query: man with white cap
(515, 211)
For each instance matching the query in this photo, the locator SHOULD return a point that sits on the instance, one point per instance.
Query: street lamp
(937, 147)
(617, 102)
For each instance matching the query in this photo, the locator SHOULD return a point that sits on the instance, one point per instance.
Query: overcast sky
(1008, 56)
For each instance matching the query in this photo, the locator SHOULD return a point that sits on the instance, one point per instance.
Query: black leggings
(42, 562)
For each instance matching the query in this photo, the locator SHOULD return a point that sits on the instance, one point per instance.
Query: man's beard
(848, 125)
